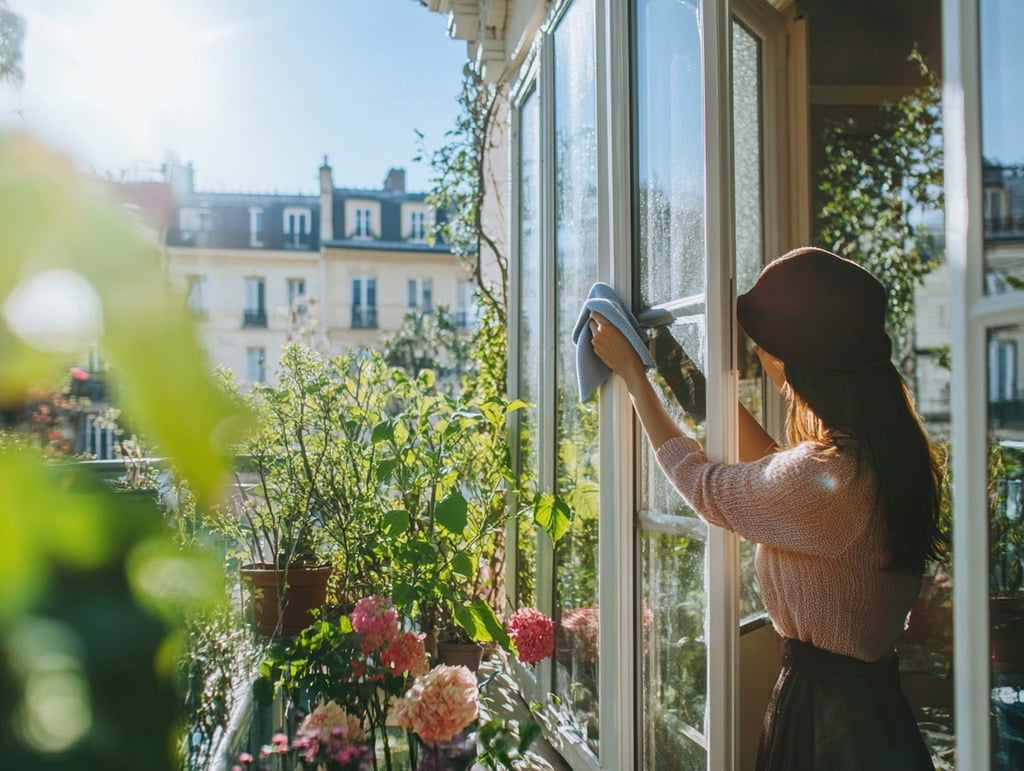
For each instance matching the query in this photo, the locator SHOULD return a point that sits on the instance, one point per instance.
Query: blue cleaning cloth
(591, 372)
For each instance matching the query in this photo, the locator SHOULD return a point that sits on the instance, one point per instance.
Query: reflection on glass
(670, 231)
(1002, 143)
(670, 151)
(746, 90)
(529, 338)
(673, 656)
(1006, 539)
(576, 610)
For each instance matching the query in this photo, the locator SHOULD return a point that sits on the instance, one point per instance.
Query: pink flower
(406, 655)
(328, 731)
(579, 627)
(439, 704)
(376, 620)
(533, 633)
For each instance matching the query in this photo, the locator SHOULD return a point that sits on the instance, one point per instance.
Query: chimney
(394, 182)
(326, 202)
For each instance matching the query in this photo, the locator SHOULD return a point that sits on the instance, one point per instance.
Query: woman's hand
(612, 347)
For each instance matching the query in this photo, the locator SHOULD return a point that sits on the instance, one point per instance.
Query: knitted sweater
(821, 548)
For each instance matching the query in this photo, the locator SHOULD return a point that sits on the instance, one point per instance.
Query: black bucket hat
(813, 308)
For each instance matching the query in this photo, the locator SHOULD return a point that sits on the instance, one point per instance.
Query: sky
(253, 93)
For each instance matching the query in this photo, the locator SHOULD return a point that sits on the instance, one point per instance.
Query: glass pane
(670, 227)
(673, 654)
(1002, 143)
(746, 107)
(670, 151)
(1006, 538)
(673, 661)
(529, 337)
(576, 660)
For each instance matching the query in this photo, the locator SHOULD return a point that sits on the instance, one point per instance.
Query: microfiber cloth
(590, 370)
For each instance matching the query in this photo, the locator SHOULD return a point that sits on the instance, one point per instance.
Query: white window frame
(972, 314)
(297, 225)
(195, 219)
(420, 294)
(196, 295)
(364, 292)
(255, 226)
(255, 365)
(363, 223)
(296, 289)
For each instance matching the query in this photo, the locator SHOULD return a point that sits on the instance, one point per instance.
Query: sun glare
(133, 64)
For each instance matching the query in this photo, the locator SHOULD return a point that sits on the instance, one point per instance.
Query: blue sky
(253, 92)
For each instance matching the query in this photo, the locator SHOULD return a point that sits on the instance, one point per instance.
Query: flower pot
(457, 754)
(305, 590)
(468, 655)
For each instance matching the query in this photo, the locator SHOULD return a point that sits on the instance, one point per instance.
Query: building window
(255, 303)
(417, 226)
(196, 296)
(256, 365)
(255, 226)
(466, 311)
(363, 227)
(296, 289)
(421, 294)
(364, 303)
(193, 219)
(298, 223)
(1002, 369)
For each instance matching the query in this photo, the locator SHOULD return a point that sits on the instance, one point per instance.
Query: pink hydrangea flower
(329, 732)
(406, 655)
(439, 704)
(580, 628)
(533, 633)
(376, 620)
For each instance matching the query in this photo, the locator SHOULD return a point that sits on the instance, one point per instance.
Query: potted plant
(444, 469)
(273, 520)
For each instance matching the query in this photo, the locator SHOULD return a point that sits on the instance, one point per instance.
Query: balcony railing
(257, 318)
(364, 318)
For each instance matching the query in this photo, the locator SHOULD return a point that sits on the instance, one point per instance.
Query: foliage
(428, 340)
(503, 743)
(93, 587)
(1006, 535)
(878, 186)
(461, 183)
(12, 35)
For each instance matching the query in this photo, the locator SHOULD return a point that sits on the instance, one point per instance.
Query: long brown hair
(870, 413)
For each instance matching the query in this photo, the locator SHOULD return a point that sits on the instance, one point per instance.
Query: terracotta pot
(468, 655)
(305, 590)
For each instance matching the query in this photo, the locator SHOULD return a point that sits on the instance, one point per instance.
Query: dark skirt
(835, 713)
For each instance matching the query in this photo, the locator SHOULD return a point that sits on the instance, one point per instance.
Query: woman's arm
(614, 350)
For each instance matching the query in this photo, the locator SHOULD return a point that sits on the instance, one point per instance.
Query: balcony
(364, 318)
(256, 319)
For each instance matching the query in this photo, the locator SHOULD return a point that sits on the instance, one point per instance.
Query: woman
(845, 517)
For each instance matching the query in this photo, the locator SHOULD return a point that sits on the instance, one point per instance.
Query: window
(421, 291)
(1002, 369)
(466, 311)
(296, 289)
(417, 227)
(363, 227)
(298, 223)
(195, 297)
(193, 219)
(364, 303)
(255, 365)
(255, 304)
(255, 226)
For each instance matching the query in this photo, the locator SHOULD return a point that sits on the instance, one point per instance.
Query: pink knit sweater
(821, 550)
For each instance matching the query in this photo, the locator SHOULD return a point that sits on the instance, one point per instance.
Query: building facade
(338, 270)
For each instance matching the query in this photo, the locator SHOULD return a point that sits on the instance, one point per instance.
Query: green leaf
(463, 565)
(396, 522)
(452, 513)
(552, 514)
(528, 733)
(385, 469)
(383, 432)
(478, 620)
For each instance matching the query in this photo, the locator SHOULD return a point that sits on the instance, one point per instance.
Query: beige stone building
(338, 270)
